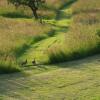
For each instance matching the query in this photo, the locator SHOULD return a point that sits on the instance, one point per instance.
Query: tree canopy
(33, 4)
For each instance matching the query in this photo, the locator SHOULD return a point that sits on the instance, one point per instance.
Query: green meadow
(66, 47)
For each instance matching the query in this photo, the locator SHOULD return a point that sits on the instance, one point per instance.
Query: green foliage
(26, 2)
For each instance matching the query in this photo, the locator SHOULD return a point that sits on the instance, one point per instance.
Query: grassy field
(70, 31)
(22, 32)
(83, 38)
(77, 80)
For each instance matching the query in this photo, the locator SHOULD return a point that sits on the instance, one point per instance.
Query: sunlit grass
(82, 39)
(16, 35)
(19, 32)
(69, 38)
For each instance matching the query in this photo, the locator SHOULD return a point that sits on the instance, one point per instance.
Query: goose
(24, 62)
(34, 61)
(41, 21)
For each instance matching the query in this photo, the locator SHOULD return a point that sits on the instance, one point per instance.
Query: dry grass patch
(86, 6)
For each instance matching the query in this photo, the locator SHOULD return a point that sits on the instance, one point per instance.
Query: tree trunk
(35, 14)
(34, 10)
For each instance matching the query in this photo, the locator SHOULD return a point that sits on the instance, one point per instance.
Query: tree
(32, 4)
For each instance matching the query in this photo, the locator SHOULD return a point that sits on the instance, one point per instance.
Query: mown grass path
(39, 49)
(76, 80)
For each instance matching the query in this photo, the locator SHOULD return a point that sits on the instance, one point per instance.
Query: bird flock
(24, 63)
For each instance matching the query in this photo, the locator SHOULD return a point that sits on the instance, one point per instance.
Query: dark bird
(34, 62)
(24, 63)
(41, 21)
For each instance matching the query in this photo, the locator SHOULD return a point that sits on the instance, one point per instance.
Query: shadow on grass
(81, 63)
(66, 5)
(15, 15)
(53, 32)
(35, 66)
(62, 56)
(19, 51)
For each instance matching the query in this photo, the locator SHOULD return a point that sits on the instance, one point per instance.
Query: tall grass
(17, 35)
(86, 6)
(76, 46)
(17, 31)
(83, 38)
(8, 64)
(8, 67)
